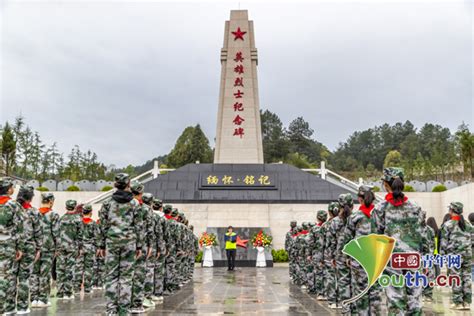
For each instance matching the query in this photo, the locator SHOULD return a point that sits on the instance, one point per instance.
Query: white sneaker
(139, 310)
(332, 306)
(10, 313)
(467, 307)
(321, 298)
(34, 304)
(154, 298)
(160, 298)
(43, 304)
(148, 303)
(303, 287)
(23, 312)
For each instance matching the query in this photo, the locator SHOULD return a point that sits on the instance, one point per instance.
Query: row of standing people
(318, 265)
(140, 249)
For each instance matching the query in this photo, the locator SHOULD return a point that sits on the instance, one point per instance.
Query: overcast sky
(125, 78)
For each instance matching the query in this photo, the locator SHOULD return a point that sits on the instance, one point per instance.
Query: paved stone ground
(246, 291)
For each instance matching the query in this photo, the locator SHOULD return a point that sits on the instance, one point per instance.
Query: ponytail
(462, 223)
(397, 186)
(368, 197)
(346, 212)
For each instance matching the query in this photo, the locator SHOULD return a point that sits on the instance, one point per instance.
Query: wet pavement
(245, 291)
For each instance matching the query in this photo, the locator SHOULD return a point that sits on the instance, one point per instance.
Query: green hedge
(408, 188)
(42, 189)
(73, 188)
(439, 188)
(198, 257)
(376, 189)
(279, 255)
(107, 188)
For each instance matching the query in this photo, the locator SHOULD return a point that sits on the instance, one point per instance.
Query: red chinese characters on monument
(239, 131)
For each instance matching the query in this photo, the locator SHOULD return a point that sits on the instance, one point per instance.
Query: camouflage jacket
(119, 221)
(404, 223)
(316, 243)
(335, 243)
(358, 224)
(327, 253)
(89, 234)
(288, 240)
(171, 235)
(32, 228)
(455, 241)
(70, 232)
(196, 244)
(159, 227)
(302, 245)
(11, 224)
(147, 232)
(430, 238)
(49, 220)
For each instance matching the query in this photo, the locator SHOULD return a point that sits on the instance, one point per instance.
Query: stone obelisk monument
(239, 134)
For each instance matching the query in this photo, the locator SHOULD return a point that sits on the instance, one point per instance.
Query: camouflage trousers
(181, 269)
(310, 277)
(149, 284)
(171, 283)
(65, 271)
(301, 272)
(319, 278)
(402, 300)
(99, 272)
(139, 276)
(191, 260)
(292, 267)
(22, 270)
(119, 263)
(159, 276)
(7, 276)
(428, 291)
(330, 282)
(370, 303)
(40, 281)
(462, 293)
(85, 270)
(343, 284)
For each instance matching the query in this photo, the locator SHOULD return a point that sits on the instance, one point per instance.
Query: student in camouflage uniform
(69, 250)
(12, 245)
(183, 249)
(360, 223)
(330, 275)
(172, 236)
(180, 250)
(457, 239)
(288, 246)
(302, 245)
(119, 228)
(195, 243)
(317, 234)
(140, 266)
(99, 265)
(344, 291)
(41, 277)
(401, 219)
(32, 251)
(155, 245)
(86, 261)
(161, 244)
(310, 269)
(429, 249)
(294, 250)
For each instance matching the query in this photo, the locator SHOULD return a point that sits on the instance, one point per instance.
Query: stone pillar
(239, 134)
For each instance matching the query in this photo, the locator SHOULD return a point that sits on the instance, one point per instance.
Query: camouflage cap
(299, 228)
(293, 223)
(6, 183)
(47, 197)
(26, 191)
(157, 202)
(305, 225)
(322, 215)
(181, 214)
(122, 178)
(191, 227)
(333, 208)
(174, 212)
(137, 187)
(345, 199)
(363, 189)
(147, 198)
(71, 204)
(392, 173)
(456, 207)
(311, 224)
(86, 209)
(167, 207)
